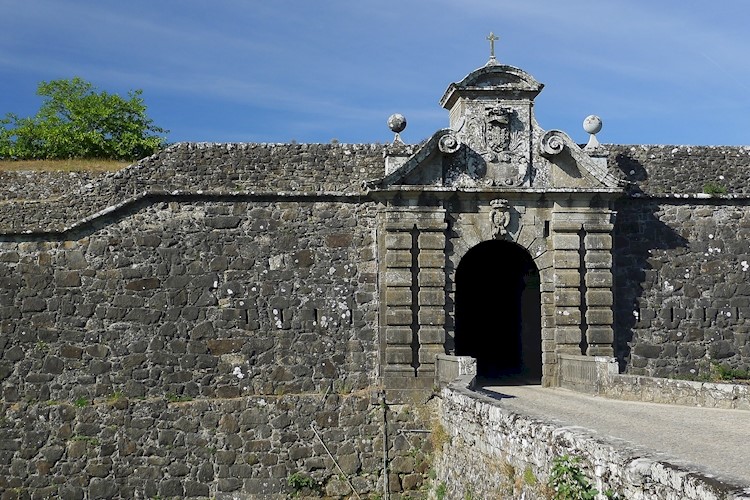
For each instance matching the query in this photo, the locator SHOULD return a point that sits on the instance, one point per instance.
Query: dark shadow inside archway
(498, 311)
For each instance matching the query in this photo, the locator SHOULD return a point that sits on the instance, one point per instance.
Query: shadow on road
(492, 386)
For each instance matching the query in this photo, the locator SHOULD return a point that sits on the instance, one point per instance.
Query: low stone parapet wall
(449, 368)
(585, 373)
(491, 452)
(598, 375)
(678, 392)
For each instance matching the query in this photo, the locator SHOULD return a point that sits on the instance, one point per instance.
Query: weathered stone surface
(598, 242)
(568, 335)
(102, 488)
(431, 277)
(398, 241)
(565, 297)
(223, 222)
(431, 259)
(400, 316)
(599, 316)
(398, 296)
(258, 280)
(566, 241)
(512, 439)
(336, 240)
(598, 259)
(599, 335)
(396, 354)
(431, 241)
(671, 280)
(196, 489)
(563, 259)
(431, 315)
(598, 279)
(567, 278)
(399, 335)
(431, 297)
(143, 284)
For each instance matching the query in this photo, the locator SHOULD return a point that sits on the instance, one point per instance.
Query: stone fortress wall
(682, 260)
(186, 326)
(213, 334)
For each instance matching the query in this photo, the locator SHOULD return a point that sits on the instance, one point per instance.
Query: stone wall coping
(237, 169)
(450, 368)
(599, 375)
(488, 189)
(689, 196)
(676, 391)
(664, 170)
(299, 195)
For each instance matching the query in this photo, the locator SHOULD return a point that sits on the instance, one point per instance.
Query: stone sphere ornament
(592, 124)
(397, 123)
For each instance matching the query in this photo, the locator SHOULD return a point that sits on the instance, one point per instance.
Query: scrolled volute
(449, 143)
(553, 142)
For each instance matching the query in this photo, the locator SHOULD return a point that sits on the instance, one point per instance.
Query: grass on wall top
(72, 165)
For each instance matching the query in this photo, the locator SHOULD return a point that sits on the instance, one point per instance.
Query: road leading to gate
(718, 441)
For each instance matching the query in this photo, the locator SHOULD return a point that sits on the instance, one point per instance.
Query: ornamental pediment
(494, 142)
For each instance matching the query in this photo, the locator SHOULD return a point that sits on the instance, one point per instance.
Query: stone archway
(498, 311)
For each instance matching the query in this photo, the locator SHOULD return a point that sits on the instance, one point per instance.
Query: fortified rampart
(184, 342)
(192, 340)
(231, 320)
(682, 260)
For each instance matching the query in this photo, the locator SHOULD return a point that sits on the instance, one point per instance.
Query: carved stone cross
(492, 38)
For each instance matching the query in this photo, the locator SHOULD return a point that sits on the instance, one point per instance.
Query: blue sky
(657, 72)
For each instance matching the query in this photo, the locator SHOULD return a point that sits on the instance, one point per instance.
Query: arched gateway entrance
(498, 311)
(493, 189)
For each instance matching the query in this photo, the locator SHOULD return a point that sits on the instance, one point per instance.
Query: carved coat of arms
(499, 218)
(495, 139)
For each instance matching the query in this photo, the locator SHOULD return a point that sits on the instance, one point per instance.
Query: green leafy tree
(77, 121)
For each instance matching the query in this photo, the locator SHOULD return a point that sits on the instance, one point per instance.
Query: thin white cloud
(332, 64)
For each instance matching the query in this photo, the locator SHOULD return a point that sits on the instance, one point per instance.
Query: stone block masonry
(173, 329)
(164, 302)
(44, 202)
(190, 325)
(655, 170)
(682, 301)
(247, 447)
(177, 329)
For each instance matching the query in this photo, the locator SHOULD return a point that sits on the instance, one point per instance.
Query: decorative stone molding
(499, 218)
(449, 143)
(553, 142)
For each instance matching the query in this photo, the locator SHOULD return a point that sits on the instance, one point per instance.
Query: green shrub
(712, 187)
(178, 398)
(724, 372)
(299, 481)
(441, 491)
(568, 480)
